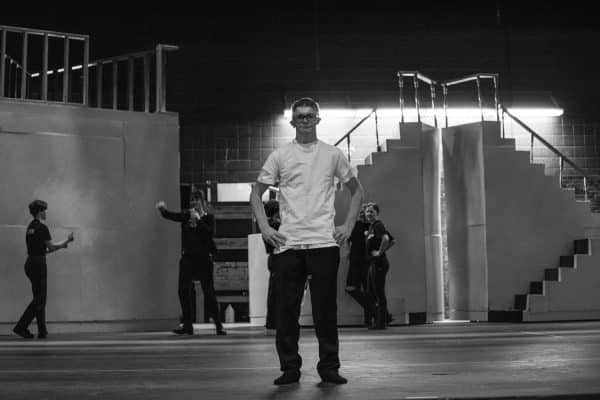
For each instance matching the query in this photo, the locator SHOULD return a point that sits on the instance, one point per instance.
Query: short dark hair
(305, 102)
(36, 206)
(271, 208)
(374, 205)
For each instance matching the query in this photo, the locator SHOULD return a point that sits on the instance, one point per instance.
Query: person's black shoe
(221, 332)
(333, 377)
(184, 331)
(42, 335)
(389, 318)
(23, 332)
(291, 376)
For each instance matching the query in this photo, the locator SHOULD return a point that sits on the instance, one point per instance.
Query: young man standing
(307, 241)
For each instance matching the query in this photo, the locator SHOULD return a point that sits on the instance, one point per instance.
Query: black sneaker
(23, 332)
(184, 331)
(389, 318)
(221, 332)
(42, 335)
(333, 377)
(291, 376)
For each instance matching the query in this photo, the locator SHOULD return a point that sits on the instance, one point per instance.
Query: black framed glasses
(302, 117)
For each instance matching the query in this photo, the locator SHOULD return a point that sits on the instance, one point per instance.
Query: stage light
(453, 112)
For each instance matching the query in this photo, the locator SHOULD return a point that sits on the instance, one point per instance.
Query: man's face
(43, 215)
(305, 118)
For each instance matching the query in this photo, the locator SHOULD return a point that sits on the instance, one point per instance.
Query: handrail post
(2, 62)
(377, 131)
(401, 86)
(416, 85)
(495, 81)
(585, 193)
(159, 78)
(432, 90)
(348, 145)
(86, 72)
(66, 71)
(130, 83)
(45, 69)
(560, 170)
(24, 64)
(115, 83)
(445, 102)
(502, 123)
(99, 73)
(479, 97)
(531, 150)
(147, 83)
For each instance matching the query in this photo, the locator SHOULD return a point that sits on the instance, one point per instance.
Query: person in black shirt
(378, 242)
(272, 212)
(356, 280)
(196, 263)
(39, 243)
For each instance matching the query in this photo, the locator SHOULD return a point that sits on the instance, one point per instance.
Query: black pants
(271, 296)
(193, 269)
(36, 271)
(376, 290)
(293, 267)
(356, 284)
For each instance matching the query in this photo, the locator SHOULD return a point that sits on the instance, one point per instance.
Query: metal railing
(347, 135)
(158, 55)
(416, 77)
(26, 33)
(477, 78)
(27, 79)
(562, 158)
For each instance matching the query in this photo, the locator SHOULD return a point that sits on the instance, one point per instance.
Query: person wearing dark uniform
(378, 242)
(198, 250)
(356, 280)
(272, 212)
(39, 243)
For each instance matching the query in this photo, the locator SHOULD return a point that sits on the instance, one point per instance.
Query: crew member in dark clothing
(198, 249)
(378, 242)
(39, 243)
(272, 212)
(356, 280)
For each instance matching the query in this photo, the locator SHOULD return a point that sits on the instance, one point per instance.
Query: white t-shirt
(306, 173)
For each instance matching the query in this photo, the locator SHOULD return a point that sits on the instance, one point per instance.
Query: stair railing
(26, 77)
(46, 34)
(347, 135)
(159, 55)
(416, 77)
(477, 78)
(562, 158)
(12, 74)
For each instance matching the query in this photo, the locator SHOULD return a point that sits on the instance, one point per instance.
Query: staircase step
(521, 302)
(552, 274)
(567, 261)
(509, 142)
(581, 246)
(536, 287)
(395, 144)
(505, 316)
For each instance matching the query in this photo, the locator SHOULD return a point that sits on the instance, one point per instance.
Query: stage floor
(445, 360)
